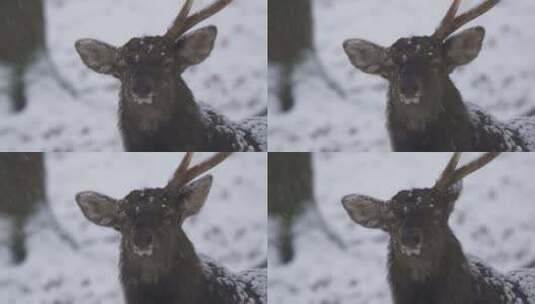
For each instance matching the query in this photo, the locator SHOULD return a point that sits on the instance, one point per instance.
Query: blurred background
(50, 253)
(335, 261)
(50, 101)
(319, 102)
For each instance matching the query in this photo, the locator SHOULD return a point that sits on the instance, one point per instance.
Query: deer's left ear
(98, 56)
(464, 47)
(365, 211)
(195, 47)
(368, 57)
(194, 195)
(99, 209)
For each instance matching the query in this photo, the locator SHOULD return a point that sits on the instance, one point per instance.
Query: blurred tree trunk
(290, 192)
(22, 32)
(290, 35)
(22, 188)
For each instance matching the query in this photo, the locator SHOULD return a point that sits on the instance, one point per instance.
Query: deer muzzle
(143, 243)
(411, 242)
(409, 84)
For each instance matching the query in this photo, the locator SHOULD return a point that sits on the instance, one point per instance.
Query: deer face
(148, 67)
(416, 67)
(149, 220)
(416, 220)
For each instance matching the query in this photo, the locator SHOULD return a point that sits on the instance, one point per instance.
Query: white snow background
(500, 80)
(232, 80)
(231, 228)
(493, 219)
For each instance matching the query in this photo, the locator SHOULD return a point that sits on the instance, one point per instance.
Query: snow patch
(143, 100)
(408, 251)
(143, 252)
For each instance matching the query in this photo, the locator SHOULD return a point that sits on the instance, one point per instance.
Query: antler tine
(184, 174)
(443, 181)
(182, 169)
(452, 175)
(444, 31)
(473, 166)
(173, 31)
(473, 14)
(202, 15)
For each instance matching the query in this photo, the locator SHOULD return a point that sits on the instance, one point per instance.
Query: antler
(452, 23)
(184, 21)
(184, 174)
(451, 174)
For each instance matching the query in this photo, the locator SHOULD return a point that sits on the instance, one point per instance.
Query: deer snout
(141, 87)
(411, 238)
(143, 239)
(410, 88)
(409, 84)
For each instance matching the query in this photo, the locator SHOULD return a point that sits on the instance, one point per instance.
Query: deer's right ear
(367, 57)
(365, 211)
(98, 56)
(99, 209)
(194, 196)
(464, 47)
(195, 47)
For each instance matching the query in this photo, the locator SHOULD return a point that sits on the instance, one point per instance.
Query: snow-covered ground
(500, 79)
(493, 219)
(231, 228)
(233, 79)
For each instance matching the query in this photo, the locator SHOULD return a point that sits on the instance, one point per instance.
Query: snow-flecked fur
(517, 286)
(246, 287)
(245, 136)
(515, 135)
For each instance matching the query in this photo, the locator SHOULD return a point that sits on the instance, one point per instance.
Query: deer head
(417, 67)
(417, 220)
(150, 220)
(148, 66)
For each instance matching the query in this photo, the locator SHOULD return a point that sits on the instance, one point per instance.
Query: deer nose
(410, 88)
(411, 238)
(143, 239)
(141, 87)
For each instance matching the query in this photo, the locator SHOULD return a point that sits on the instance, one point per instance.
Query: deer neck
(432, 109)
(186, 111)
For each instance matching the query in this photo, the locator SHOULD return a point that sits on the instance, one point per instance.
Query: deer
(426, 262)
(158, 262)
(157, 110)
(425, 111)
